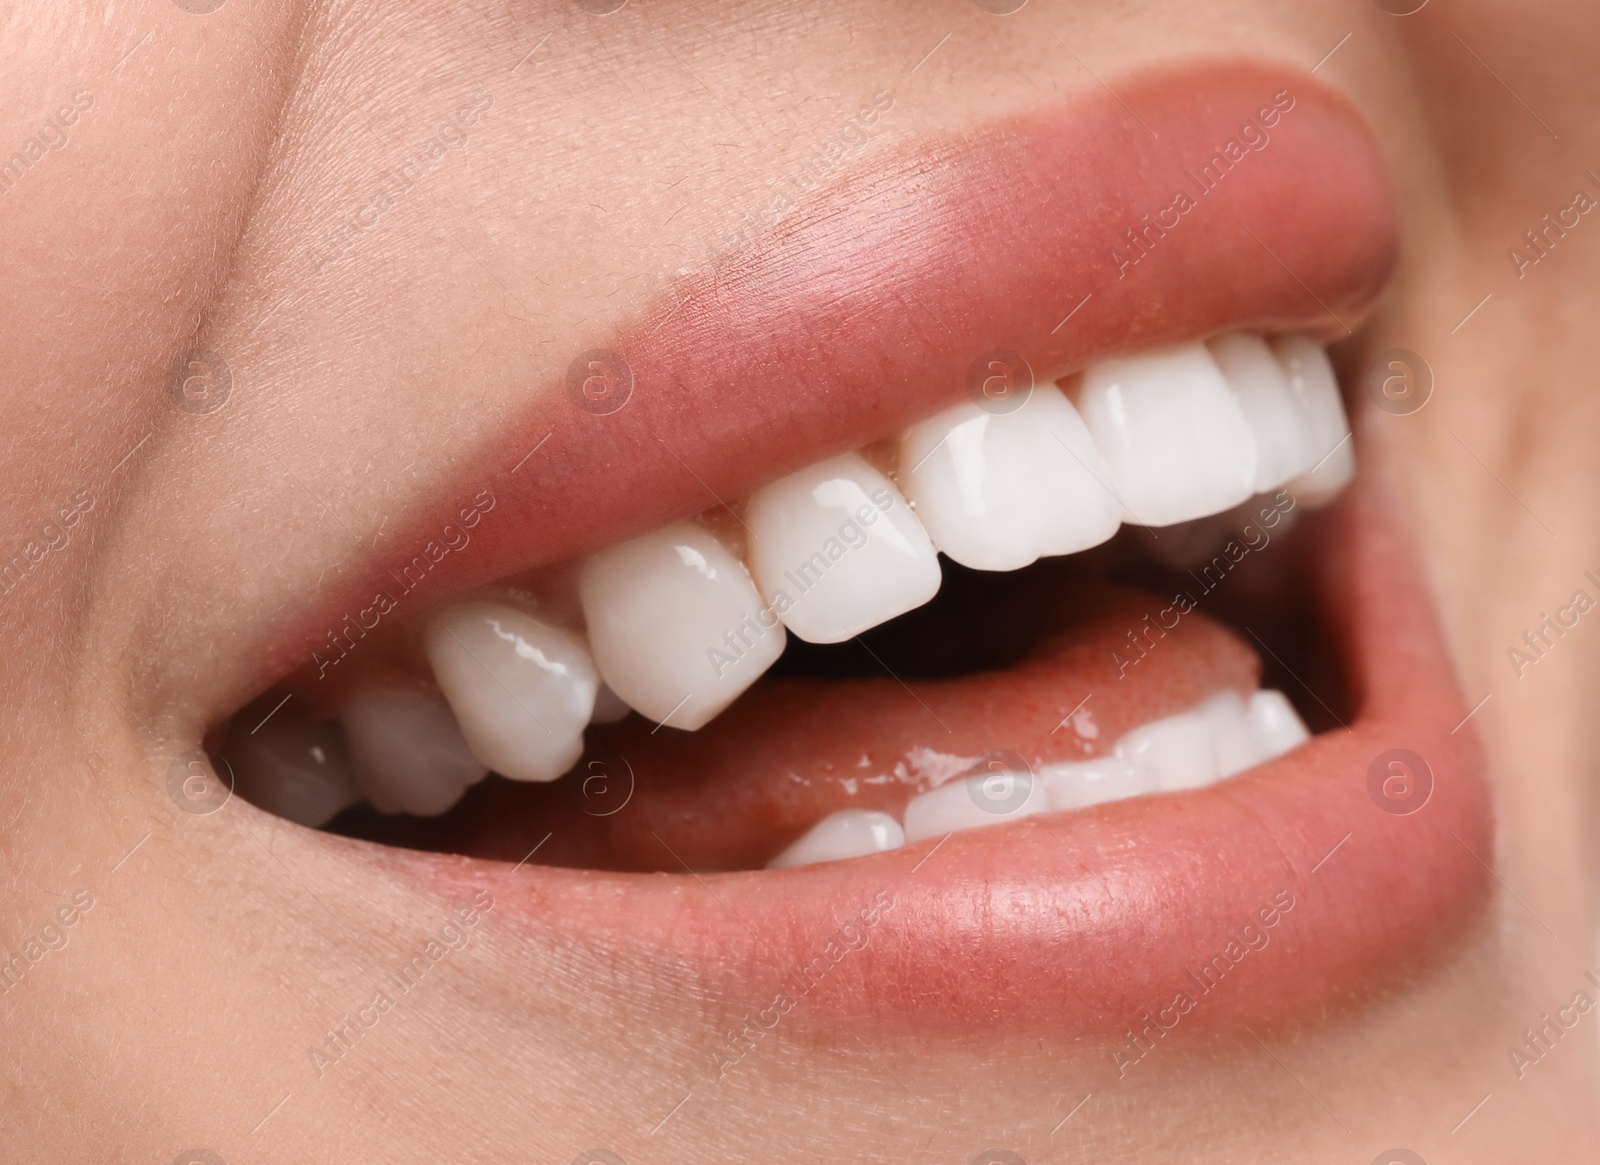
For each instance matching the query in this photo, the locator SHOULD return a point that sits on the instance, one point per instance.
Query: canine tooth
(976, 801)
(835, 550)
(609, 707)
(997, 491)
(1314, 386)
(1275, 724)
(1173, 434)
(1180, 750)
(295, 769)
(677, 628)
(408, 753)
(1277, 421)
(849, 833)
(1078, 784)
(521, 689)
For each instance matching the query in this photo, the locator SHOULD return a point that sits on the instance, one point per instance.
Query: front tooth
(1180, 750)
(521, 689)
(1280, 426)
(1079, 784)
(1314, 386)
(295, 769)
(408, 754)
(1176, 441)
(1277, 727)
(836, 550)
(986, 798)
(849, 833)
(997, 492)
(677, 628)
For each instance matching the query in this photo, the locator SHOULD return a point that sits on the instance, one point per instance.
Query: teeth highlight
(849, 833)
(522, 690)
(836, 550)
(1314, 386)
(1279, 424)
(677, 628)
(408, 753)
(1171, 431)
(297, 770)
(997, 491)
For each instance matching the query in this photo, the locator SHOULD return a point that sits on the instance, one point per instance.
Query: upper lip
(863, 311)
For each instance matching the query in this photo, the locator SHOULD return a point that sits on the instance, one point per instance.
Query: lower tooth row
(678, 622)
(1223, 736)
(406, 756)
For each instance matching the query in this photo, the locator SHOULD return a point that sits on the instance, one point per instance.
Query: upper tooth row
(1225, 735)
(678, 624)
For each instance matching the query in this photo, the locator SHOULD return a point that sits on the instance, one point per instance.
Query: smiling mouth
(1026, 676)
(1221, 445)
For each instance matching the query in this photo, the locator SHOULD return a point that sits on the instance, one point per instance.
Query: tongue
(793, 750)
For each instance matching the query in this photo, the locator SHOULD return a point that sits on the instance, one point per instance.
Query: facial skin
(194, 201)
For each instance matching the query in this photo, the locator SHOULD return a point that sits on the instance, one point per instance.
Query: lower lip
(1256, 899)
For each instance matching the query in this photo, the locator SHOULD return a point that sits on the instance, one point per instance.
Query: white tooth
(609, 707)
(1218, 738)
(1174, 436)
(997, 491)
(408, 753)
(1314, 386)
(297, 770)
(1275, 724)
(1078, 784)
(974, 802)
(1180, 750)
(1231, 733)
(849, 833)
(1278, 423)
(521, 689)
(677, 628)
(836, 550)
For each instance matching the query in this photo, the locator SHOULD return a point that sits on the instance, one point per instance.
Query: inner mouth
(1039, 601)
